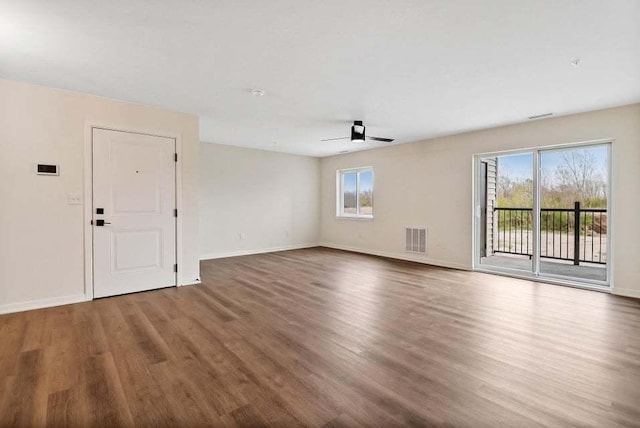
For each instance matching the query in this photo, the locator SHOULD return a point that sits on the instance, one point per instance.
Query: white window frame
(340, 193)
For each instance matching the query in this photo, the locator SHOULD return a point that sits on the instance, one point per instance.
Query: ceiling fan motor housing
(357, 131)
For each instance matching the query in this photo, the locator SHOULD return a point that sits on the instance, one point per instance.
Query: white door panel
(134, 183)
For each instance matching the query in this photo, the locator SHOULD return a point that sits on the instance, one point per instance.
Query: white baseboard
(626, 292)
(44, 303)
(260, 251)
(399, 256)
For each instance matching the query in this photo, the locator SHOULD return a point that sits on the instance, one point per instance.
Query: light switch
(74, 198)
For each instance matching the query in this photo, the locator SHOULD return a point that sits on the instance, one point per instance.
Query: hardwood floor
(322, 337)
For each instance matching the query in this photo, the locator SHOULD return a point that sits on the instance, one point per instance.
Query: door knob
(101, 222)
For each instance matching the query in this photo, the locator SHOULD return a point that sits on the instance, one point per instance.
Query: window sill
(354, 217)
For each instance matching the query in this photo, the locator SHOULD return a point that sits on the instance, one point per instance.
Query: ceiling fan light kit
(357, 132)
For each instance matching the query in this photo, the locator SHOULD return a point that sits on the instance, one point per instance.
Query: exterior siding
(492, 200)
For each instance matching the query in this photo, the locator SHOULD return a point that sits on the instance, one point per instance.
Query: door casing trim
(88, 196)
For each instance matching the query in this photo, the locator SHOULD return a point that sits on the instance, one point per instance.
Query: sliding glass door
(573, 212)
(544, 213)
(506, 211)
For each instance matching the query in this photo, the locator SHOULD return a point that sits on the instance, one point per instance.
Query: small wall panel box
(43, 169)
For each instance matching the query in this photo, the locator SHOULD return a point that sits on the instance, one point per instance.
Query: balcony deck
(554, 267)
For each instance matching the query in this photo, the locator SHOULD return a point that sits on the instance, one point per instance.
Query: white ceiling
(409, 69)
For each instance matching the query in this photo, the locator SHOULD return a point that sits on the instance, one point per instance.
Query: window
(355, 193)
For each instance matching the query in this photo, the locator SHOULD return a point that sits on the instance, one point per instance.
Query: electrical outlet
(74, 198)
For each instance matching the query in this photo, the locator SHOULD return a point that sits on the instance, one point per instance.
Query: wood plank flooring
(327, 338)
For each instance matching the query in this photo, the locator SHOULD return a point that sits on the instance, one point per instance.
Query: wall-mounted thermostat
(44, 169)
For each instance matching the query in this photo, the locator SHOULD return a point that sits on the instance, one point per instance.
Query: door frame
(88, 196)
(606, 286)
(482, 202)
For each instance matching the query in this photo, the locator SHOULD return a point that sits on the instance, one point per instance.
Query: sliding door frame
(535, 274)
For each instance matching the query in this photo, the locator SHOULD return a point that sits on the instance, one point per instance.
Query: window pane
(349, 192)
(366, 193)
(573, 212)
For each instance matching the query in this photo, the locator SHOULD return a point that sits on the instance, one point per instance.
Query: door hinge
(175, 267)
(175, 157)
(175, 212)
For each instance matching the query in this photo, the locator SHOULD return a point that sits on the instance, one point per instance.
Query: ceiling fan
(358, 136)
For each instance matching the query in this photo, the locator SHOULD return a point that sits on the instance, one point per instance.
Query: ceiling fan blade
(384, 140)
(333, 139)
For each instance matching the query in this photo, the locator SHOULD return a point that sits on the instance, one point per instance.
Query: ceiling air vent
(540, 116)
(416, 240)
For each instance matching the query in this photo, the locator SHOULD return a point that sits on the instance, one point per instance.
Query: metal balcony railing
(578, 234)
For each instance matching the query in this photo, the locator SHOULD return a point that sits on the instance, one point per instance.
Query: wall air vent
(416, 240)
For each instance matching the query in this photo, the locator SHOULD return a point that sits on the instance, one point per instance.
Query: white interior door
(134, 225)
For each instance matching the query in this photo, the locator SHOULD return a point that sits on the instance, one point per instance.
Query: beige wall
(275, 200)
(272, 199)
(429, 183)
(41, 236)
